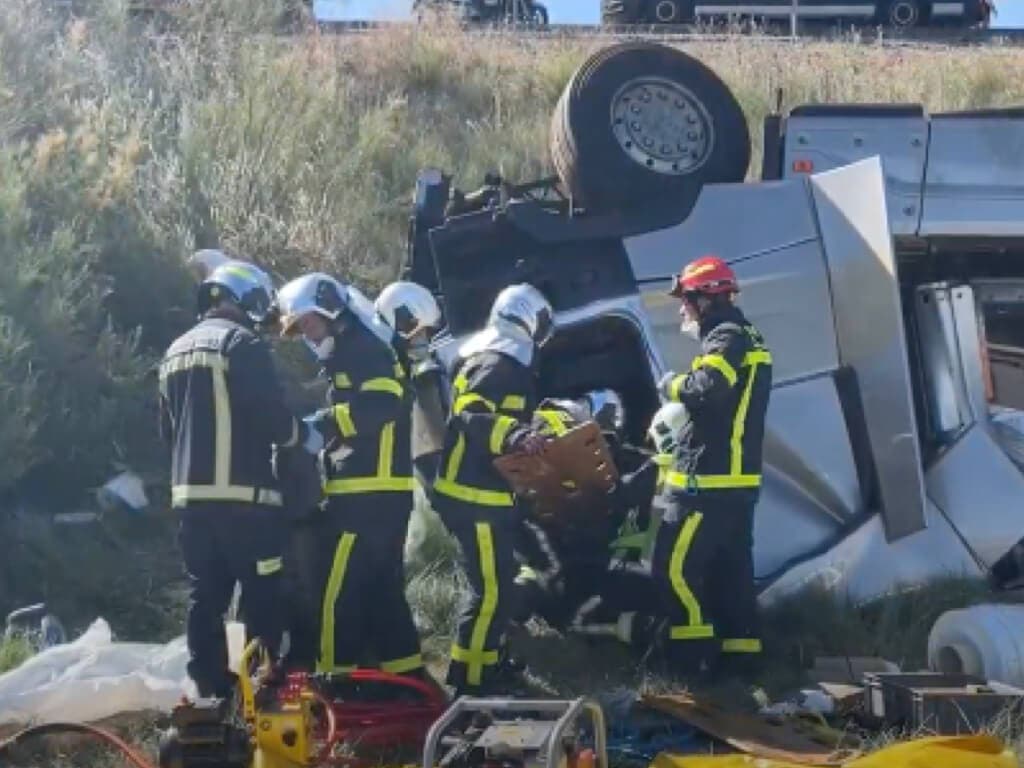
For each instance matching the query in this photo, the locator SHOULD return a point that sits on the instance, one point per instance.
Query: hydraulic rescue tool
(302, 719)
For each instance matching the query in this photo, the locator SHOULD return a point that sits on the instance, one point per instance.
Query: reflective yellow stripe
(342, 381)
(502, 426)
(464, 401)
(385, 452)
(268, 567)
(487, 658)
(401, 666)
(739, 422)
(182, 494)
(343, 417)
(472, 495)
(399, 370)
(345, 485)
(687, 482)
(675, 386)
(741, 645)
(513, 403)
(334, 582)
(344, 669)
(720, 364)
(555, 421)
(382, 384)
(758, 357)
(455, 459)
(663, 459)
(695, 628)
(488, 571)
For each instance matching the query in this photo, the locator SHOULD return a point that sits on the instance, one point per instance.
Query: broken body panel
(866, 277)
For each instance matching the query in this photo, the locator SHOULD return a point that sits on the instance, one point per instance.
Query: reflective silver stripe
(181, 494)
(947, 9)
(294, 439)
(222, 436)
(784, 10)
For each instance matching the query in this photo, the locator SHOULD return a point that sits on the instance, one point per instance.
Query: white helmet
(315, 292)
(244, 284)
(666, 425)
(524, 306)
(407, 308)
(606, 409)
(203, 262)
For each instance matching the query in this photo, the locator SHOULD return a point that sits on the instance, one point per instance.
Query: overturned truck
(881, 252)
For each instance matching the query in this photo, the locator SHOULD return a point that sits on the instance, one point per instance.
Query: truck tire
(903, 14)
(670, 11)
(540, 16)
(641, 122)
(615, 12)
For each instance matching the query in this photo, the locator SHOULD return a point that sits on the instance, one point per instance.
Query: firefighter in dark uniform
(368, 481)
(702, 557)
(412, 312)
(222, 410)
(493, 397)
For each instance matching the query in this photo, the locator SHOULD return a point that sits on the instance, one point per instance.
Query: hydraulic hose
(49, 729)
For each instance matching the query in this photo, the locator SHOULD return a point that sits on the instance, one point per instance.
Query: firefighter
(702, 558)
(561, 557)
(493, 397)
(222, 410)
(368, 484)
(623, 604)
(411, 311)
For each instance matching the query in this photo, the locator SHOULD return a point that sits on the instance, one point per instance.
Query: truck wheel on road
(642, 121)
(540, 15)
(903, 14)
(620, 12)
(670, 11)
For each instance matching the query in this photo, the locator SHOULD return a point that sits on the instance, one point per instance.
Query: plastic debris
(94, 677)
(125, 490)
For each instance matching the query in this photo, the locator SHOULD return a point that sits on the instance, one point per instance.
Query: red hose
(97, 733)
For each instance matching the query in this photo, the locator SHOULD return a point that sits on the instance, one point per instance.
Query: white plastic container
(983, 640)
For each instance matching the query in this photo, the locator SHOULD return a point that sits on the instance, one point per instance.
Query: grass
(123, 148)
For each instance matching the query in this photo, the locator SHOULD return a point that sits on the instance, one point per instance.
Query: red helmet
(708, 274)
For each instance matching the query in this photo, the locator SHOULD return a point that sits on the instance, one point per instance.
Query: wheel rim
(662, 126)
(903, 14)
(665, 11)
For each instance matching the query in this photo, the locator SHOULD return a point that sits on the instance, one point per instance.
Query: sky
(1011, 12)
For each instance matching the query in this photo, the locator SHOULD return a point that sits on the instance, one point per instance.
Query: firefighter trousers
(703, 570)
(486, 536)
(365, 617)
(225, 543)
(623, 605)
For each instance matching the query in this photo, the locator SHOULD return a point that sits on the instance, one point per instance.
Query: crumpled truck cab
(881, 253)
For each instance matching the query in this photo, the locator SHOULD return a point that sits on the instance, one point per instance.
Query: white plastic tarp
(94, 677)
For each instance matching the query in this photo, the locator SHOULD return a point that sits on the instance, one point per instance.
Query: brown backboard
(576, 466)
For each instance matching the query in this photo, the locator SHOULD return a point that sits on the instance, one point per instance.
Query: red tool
(369, 709)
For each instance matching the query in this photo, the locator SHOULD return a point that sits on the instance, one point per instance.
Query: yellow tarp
(934, 752)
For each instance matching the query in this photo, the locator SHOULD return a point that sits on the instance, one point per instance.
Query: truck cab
(881, 253)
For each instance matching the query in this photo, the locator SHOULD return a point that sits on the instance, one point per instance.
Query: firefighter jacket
(726, 394)
(367, 433)
(221, 410)
(493, 395)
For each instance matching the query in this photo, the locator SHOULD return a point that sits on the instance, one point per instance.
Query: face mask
(417, 349)
(321, 349)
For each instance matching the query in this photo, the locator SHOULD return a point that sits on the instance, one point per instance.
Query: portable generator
(511, 733)
(302, 720)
